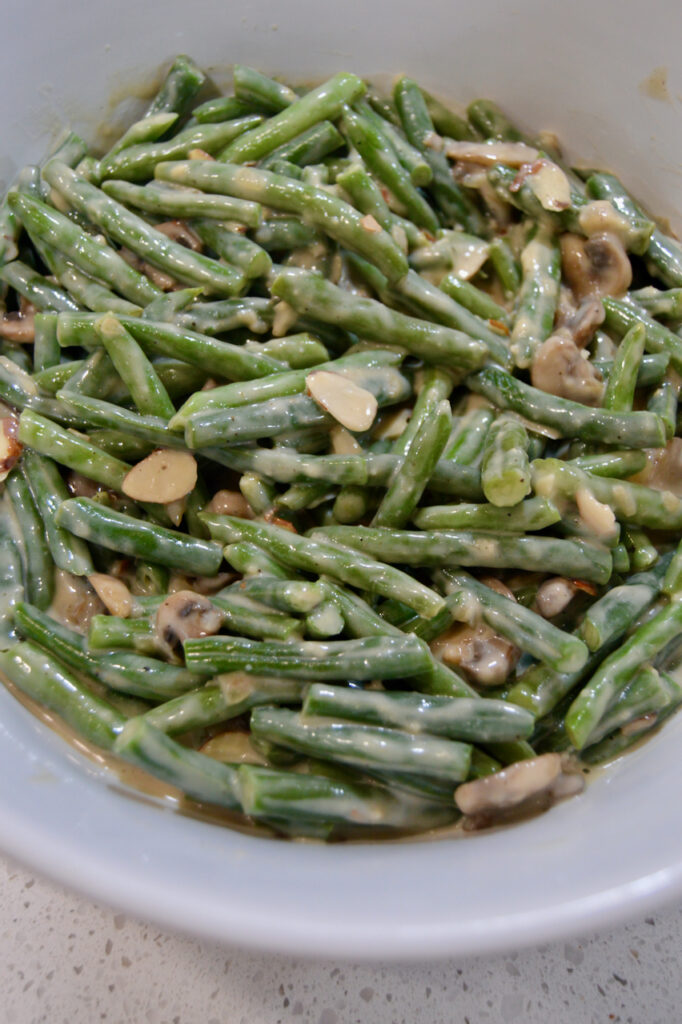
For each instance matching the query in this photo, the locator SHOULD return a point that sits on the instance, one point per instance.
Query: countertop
(66, 960)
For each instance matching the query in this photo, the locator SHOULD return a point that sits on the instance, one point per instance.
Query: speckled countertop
(65, 960)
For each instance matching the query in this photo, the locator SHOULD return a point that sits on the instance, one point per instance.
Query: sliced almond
(598, 517)
(513, 153)
(164, 476)
(350, 405)
(369, 223)
(176, 510)
(343, 442)
(113, 593)
(550, 185)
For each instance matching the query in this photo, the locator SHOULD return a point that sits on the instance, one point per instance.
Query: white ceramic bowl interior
(583, 70)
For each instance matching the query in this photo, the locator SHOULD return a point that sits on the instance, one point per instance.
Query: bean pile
(342, 484)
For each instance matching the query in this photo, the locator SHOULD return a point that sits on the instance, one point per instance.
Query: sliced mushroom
(559, 368)
(597, 266)
(599, 216)
(74, 601)
(17, 327)
(10, 447)
(82, 486)
(180, 232)
(484, 655)
(186, 614)
(554, 596)
(165, 476)
(525, 787)
(352, 406)
(113, 593)
(158, 277)
(663, 470)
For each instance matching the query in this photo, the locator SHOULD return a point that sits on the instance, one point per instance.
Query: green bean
(210, 705)
(299, 351)
(269, 418)
(417, 123)
(382, 159)
(622, 315)
(117, 531)
(620, 390)
(310, 147)
(83, 288)
(663, 253)
(367, 658)
(33, 549)
(597, 697)
(419, 461)
(46, 352)
(193, 773)
(663, 403)
(297, 596)
(468, 438)
(36, 288)
(291, 801)
(253, 87)
(45, 224)
(182, 82)
(124, 671)
(460, 718)
(334, 560)
(183, 203)
(310, 294)
(474, 299)
(528, 516)
(366, 195)
(147, 129)
(374, 748)
(70, 450)
(252, 560)
(525, 628)
(232, 362)
(44, 679)
(320, 210)
(49, 490)
(630, 502)
(505, 469)
(147, 391)
(135, 233)
(436, 548)
(107, 632)
(537, 301)
(281, 233)
(666, 304)
(137, 162)
(570, 419)
(506, 267)
(649, 693)
(234, 248)
(222, 108)
(643, 554)
(615, 463)
(245, 616)
(323, 103)
(211, 318)
(488, 120)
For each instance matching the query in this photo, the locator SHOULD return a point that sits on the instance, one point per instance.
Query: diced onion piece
(350, 405)
(163, 477)
(113, 594)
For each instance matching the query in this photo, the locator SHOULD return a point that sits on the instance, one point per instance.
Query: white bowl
(611, 853)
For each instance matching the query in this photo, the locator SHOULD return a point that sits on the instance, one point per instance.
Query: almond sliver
(164, 476)
(350, 405)
(113, 593)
